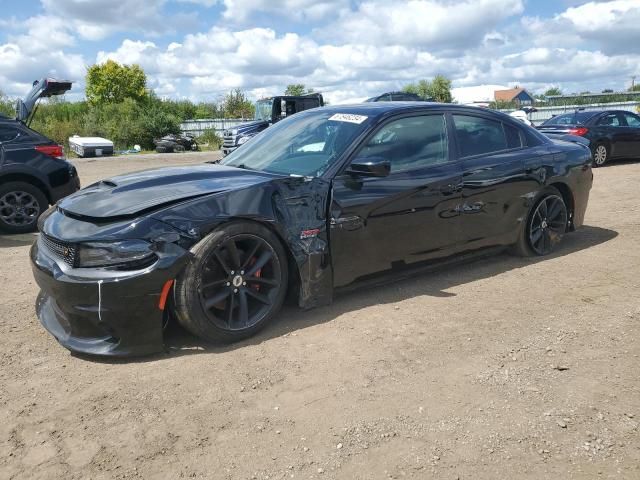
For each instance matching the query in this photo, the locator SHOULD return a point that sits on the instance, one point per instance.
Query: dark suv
(33, 171)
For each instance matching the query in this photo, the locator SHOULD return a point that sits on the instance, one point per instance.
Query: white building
(478, 95)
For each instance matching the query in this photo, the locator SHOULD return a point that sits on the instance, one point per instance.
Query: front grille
(62, 250)
(228, 139)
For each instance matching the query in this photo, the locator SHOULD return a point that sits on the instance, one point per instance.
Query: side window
(411, 142)
(609, 120)
(513, 136)
(384, 98)
(632, 120)
(478, 136)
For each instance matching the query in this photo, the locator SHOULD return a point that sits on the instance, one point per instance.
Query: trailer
(90, 146)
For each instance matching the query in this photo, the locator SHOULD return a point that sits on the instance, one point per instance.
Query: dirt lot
(502, 368)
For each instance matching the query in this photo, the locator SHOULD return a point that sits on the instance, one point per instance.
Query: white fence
(197, 127)
(545, 113)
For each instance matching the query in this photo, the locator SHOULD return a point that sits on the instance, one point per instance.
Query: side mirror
(370, 167)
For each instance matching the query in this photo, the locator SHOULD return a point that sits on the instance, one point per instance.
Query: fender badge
(309, 233)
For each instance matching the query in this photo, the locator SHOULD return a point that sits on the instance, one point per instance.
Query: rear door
(612, 125)
(384, 223)
(633, 131)
(499, 172)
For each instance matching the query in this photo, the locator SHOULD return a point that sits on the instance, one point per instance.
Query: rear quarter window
(7, 133)
(29, 136)
(479, 136)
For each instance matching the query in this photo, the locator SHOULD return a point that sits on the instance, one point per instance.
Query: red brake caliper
(257, 274)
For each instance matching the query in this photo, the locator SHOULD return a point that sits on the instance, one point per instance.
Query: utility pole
(633, 82)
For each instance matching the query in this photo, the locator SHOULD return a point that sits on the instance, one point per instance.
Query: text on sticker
(348, 117)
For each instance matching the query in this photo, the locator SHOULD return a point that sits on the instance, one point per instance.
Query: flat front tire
(234, 285)
(545, 225)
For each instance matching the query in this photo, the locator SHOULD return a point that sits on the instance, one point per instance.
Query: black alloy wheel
(235, 284)
(20, 206)
(547, 224)
(240, 282)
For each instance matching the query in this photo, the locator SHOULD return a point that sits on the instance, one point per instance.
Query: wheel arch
(30, 179)
(567, 197)
(606, 141)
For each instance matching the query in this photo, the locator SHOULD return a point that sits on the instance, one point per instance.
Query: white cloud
(430, 24)
(347, 49)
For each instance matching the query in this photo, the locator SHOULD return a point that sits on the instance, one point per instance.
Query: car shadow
(434, 283)
(620, 161)
(17, 240)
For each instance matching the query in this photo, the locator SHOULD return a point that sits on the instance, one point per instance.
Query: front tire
(235, 284)
(545, 226)
(21, 204)
(600, 154)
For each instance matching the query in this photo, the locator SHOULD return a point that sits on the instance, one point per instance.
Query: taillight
(52, 150)
(580, 131)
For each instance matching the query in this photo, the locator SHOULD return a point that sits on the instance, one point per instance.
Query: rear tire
(545, 225)
(600, 154)
(21, 204)
(234, 285)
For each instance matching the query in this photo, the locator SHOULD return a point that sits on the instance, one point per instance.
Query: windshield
(263, 110)
(305, 144)
(575, 118)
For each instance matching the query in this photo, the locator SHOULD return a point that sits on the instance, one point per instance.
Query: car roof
(377, 109)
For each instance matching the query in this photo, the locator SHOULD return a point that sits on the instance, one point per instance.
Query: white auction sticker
(348, 117)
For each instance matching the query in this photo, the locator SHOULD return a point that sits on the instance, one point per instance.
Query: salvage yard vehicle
(268, 112)
(326, 200)
(176, 143)
(33, 170)
(612, 133)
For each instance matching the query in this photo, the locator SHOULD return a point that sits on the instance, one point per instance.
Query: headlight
(234, 132)
(129, 253)
(243, 140)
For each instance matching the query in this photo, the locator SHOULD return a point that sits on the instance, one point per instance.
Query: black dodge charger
(330, 198)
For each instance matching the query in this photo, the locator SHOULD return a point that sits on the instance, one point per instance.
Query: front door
(383, 223)
(632, 132)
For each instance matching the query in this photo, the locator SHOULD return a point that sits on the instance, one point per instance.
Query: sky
(347, 49)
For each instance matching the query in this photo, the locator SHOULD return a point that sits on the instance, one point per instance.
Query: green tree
(6, 106)
(237, 105)
(635, 88)
(553, 91)
(297, 89)
(112, 82)
(438, 89)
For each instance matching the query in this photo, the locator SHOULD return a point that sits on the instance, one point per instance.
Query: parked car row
(406, 185)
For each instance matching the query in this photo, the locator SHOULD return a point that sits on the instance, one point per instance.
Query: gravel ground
(501, 368)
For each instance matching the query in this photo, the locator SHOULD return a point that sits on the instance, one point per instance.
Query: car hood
(250, 126)
(140, 192)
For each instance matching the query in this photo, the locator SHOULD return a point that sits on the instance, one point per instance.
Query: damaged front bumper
(103, 311)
